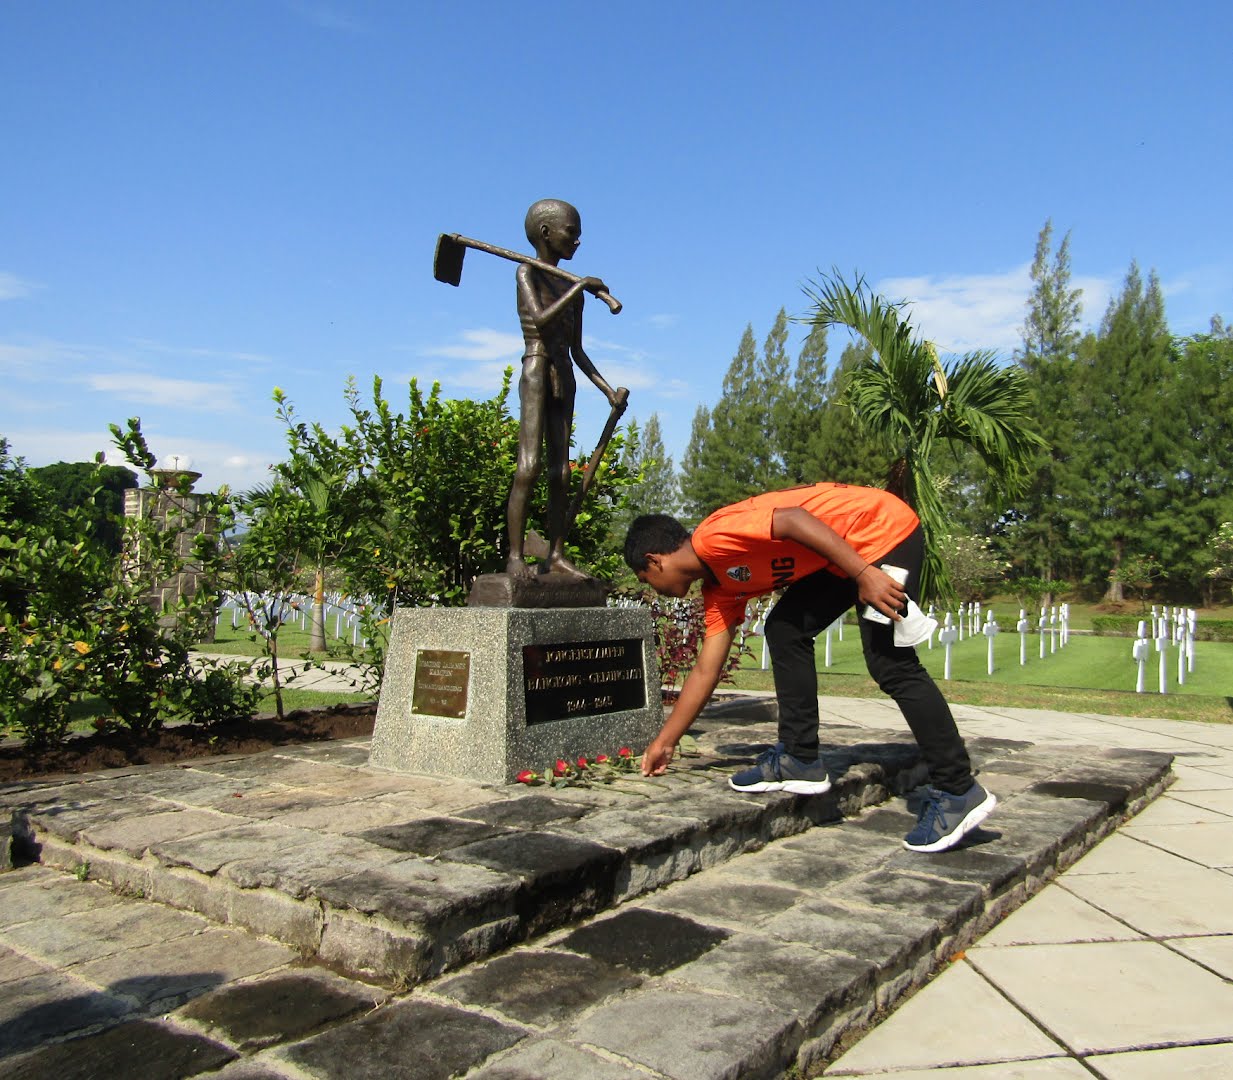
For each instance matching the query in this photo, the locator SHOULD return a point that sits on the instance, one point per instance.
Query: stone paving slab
(185, 836)
(669, 928)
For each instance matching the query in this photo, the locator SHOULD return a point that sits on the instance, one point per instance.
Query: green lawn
(292, 643)
(1092, 674)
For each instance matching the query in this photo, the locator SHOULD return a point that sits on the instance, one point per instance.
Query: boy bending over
(824, 545)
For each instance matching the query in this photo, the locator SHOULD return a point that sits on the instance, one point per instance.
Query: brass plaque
(582, 678)
(440, 683)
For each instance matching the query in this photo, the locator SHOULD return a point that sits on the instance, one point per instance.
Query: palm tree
(907, 400)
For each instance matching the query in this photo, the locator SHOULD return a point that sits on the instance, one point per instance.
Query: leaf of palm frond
(988, 408)
(878, 321)
(935, 583)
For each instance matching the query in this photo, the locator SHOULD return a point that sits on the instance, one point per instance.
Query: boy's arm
(695, 693)
(872, 585)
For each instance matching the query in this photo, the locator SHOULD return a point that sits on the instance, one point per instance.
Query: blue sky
(202, 201)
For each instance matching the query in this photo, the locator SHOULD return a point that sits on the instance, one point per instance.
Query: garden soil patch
(116, 748)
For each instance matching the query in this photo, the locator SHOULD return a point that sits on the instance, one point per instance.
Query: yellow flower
(57, 664)
(81, 647)
(30, 640)
(376, 551)
(123, 629)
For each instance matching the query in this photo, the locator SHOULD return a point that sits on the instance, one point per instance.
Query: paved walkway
(1122, 968)
(323, 676)
(771, 936)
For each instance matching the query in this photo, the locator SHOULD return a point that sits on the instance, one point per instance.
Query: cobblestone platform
(668, 927)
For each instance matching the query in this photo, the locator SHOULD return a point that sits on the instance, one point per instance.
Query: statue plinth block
(486, 692)
(540, 591)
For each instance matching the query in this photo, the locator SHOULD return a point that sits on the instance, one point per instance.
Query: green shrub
(75, 621)
(1128, 625)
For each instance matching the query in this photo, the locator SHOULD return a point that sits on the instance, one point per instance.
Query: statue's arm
(584, 362)
(529, 301)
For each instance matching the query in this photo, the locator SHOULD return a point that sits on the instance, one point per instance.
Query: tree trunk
(316, 641)
(1115, 595)
(899, 480)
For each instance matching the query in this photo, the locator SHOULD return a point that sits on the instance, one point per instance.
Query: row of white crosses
(1170, 627)
(294, 610)
(755, 624)
(1054, 623)
(951, 631)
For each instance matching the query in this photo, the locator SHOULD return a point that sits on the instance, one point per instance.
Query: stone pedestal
(485, 693)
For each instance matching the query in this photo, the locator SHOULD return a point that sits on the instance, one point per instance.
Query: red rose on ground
(526, 777)
(601, 759)
(625, 751)
(561, 767)
(582, 763)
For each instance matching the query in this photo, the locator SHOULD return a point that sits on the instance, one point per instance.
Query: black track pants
(805, 610)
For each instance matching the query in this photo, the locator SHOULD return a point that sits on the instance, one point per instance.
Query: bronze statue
(550, 304)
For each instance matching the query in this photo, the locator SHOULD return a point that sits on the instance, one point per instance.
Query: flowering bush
(584, 772)
(680, 626)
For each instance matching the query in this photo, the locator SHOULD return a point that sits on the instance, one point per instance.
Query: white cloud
(44, 446)
(964, 312)
(662, 321)
(492, 351)
(13, 288)
(481, 344)
(146, 389)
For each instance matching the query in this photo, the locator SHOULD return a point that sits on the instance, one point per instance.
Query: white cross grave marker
(947, 636)
(1140, 651)
(990, 630)
(1162, 647)
(1024, 626)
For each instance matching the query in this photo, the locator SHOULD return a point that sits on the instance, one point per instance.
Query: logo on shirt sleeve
(739, 573)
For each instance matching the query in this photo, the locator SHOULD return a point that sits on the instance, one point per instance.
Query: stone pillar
(484, 692)
(172, 504)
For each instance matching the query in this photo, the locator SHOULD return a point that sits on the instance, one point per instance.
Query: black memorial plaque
(583, 678)
(440, 682)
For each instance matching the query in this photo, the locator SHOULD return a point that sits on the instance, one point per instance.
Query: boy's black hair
(652, 534)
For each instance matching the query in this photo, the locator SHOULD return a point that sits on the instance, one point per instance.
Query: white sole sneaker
(974, 817)
(795, 787)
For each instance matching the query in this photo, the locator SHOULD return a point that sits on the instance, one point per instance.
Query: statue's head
(555, 227)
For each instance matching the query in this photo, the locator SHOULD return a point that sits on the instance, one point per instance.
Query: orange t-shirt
(736, 543)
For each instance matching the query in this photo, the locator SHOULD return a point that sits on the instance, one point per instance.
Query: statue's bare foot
(518, 567)
(559, 564)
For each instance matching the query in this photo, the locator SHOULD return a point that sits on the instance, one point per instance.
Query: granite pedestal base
(484, 693)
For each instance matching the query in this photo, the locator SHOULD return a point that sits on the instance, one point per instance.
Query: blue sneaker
(777, 770)
(945, 819)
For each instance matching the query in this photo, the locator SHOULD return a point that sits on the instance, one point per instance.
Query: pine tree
(727, 454)
(840, 450)
(646, 456)
(695, 485)
(801, 411)
(1202, 387)
(1050, 342)
(765, 401)
(1126, 454)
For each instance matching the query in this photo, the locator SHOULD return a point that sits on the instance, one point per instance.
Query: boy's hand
(879, 589)
(657, 757)
(594, 285)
